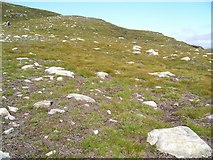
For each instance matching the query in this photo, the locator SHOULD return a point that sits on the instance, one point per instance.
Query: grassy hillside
(86, 46)
(12, 12)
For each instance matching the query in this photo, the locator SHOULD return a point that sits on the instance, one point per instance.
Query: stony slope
(14, 12)
(118, 122)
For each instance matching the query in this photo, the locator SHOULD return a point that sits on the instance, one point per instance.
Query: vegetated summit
(77, 86)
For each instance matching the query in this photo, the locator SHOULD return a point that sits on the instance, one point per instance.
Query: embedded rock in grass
(53, 111)
(102, 75)
(4, 112)
(50, 153)
(80, 97)
(210, 117)
(43, 104)
(4, 155)
(14, 49)
(60, 71)
(12, 109)
(152, 52)
(20, 59)
(136, 48)
(162, 74)
(180, 142)
(185, 59)
(27, 67)
(151, 104)
(136, 52)
(8, 131)
(59, 79)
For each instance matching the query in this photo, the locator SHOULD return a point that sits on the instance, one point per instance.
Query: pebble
(109, 112)
(8, 131)
(95, 132)
(50, 153)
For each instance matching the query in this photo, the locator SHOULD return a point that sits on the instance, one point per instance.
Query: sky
(186, 21)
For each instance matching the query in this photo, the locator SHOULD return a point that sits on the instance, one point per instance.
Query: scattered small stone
(3, 97)
(95, 132)
(121, 38)
(20, 59)
(32, 53)
(151, 104)
(113, 120)
(158, 87)
(152, 52)
(185, 59)
(61, 121)
(8, 131)
(136, 48)
(25, 87)
(96, 49)
(4, 112)
(176, 104)
(36, 64)
(40, 92)
(27, 67)
(38, 79)
(86, 105)
(45, 137)
(102, 75)
(14, 124)
(59, 79)
(27, 81)
(130, 62)
(26, 97)
(12, 109)
(136, 52)
(140, 115)
(108, 97)
(50, 153)
(43, 104)
(14, 49)
(210, 117)
(109, 112)
(26, 114)
(80, 97)
(53, 111)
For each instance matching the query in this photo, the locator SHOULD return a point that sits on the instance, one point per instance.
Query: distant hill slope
(14, 12)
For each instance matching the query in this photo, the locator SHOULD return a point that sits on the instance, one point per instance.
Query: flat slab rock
(60, 71)
(43, 104)
(180, 142)
(162, 74)
(80, 97)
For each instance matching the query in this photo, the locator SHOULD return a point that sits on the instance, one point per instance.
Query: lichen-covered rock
(180, 142)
